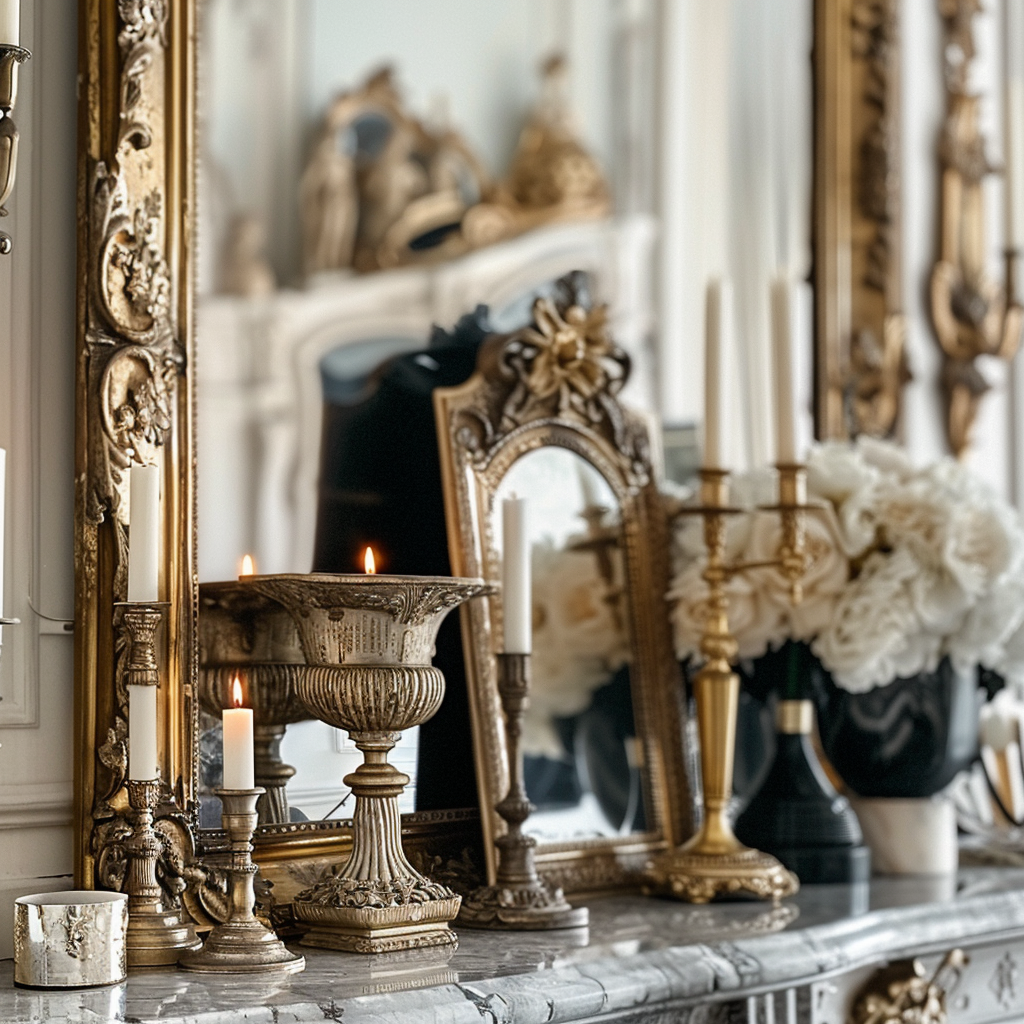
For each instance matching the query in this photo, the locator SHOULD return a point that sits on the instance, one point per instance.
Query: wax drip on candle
(369, 563)
(248, 566)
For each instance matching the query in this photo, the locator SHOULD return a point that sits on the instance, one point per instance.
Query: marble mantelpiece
(640, 960)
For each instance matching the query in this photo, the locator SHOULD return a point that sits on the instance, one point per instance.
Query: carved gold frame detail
(134, 393)
(523, 396)
(972, 315)
(860, 328)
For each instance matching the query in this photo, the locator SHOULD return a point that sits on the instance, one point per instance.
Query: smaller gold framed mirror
(603, 735)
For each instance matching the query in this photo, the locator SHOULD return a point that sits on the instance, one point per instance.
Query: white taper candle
(239, 762)
(144, 534)
(515, 582)
(142, 733)
(10, 22)
(783, 303)
(716, 311)
(1013, 121)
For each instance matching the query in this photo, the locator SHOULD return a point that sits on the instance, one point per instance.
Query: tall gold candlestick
(714, 862)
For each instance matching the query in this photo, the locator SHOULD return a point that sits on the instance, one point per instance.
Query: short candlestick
(242, 944)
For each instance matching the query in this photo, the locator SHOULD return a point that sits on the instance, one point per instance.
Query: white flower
(825, 576)
(578, 643)
(988, 627)
(839, 474)
(753, 620)
(981, 545)
(886, 456)
(836, 471)
(875, 635)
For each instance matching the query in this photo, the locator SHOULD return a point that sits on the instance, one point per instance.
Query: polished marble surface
(636, 953)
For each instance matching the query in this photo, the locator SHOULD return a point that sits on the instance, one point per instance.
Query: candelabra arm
(10, 58)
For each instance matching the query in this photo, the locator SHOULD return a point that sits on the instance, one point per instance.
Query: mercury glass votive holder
(368, 642)
(73, 939)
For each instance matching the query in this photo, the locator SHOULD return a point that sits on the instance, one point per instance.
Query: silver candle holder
(242, 944)
(368, 643)
(520, 899)
(157, 935)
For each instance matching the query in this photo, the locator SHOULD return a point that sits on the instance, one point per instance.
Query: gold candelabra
(157, 934)
(714, 862)
(10, 58)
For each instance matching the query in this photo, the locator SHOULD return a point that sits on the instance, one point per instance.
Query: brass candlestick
(520, 898)
(156, 934)
(10, 58)
(242, 944)
(714, 862)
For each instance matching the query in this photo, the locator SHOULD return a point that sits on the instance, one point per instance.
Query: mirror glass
(579, 737)
(356, 168)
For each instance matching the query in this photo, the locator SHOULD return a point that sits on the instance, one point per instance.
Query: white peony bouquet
(906, 566)
(579, 641)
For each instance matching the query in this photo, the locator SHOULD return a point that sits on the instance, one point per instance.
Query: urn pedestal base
(380, 930)
(368, 641)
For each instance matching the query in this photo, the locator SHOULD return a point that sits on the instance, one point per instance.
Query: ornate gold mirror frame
(860, 362)
(133, 399)
(527, 394)
(135, 403)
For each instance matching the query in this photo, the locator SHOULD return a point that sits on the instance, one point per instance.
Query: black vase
(907, 739)
(796, 814)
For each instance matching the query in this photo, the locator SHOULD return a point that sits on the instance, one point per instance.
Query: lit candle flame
(236, 692)
(248, 566)
(369, 562)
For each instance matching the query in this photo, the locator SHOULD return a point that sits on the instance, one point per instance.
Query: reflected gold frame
(134, 402)
(484, 427)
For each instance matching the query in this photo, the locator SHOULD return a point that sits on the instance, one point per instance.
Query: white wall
(37, 339)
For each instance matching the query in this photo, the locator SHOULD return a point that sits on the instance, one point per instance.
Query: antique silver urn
(368, 643)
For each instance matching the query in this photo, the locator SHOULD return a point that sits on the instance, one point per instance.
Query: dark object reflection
(380, 485)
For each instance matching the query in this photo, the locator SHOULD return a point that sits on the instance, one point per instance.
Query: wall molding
(36, 805)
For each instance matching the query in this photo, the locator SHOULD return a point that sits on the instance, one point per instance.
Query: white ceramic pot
(909, 836)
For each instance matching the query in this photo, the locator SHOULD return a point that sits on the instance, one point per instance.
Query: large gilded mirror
(280, 201)
(541, 420)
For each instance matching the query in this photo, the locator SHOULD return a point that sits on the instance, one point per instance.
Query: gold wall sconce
(972, 315)
(10, 57)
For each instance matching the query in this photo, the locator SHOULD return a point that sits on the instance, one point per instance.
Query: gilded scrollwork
(903, 992)
(972, 315)
(563, 367)
(862, 362)
(130, 360)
